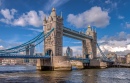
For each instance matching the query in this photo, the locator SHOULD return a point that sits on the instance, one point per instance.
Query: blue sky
(21, 20)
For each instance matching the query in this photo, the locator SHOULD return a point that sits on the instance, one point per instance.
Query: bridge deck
(25, 56)
(75, 34)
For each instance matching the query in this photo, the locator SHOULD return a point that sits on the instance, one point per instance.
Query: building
(112, 56)
(1, 61)
(69, 52)
(121, 59)
(30, 50)
(128, 58)
(12, 61)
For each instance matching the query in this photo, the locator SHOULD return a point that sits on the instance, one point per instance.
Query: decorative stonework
(90, 44)
(54, 41)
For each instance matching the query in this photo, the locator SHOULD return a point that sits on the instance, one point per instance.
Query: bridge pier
(55, 63)
(94, 63)
(44, 65)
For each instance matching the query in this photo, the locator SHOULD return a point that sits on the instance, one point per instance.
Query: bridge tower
(53, 44)
(89, 46)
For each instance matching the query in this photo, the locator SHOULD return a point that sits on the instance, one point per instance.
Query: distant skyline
(21, 20)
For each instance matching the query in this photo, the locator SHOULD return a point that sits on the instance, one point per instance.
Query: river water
(29, 74)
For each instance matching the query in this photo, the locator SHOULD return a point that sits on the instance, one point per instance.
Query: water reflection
(18, 74)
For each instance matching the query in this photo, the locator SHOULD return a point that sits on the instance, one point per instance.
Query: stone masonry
(89, 46)
(54, 41)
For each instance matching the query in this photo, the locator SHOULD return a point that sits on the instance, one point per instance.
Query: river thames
(29, 74)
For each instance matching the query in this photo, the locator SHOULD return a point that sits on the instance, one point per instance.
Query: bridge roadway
(24, 56)
(75, 34)
(37, 57)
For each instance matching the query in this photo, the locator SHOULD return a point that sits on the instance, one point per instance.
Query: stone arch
(49, 52)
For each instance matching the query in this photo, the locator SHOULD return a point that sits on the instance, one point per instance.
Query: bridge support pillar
(55, 63)
(97, 64)
(61, 63)
(44, 65)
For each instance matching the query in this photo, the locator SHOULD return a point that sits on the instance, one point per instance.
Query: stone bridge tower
(89, 46)
(53, 44)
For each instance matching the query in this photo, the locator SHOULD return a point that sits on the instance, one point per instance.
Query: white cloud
(77, 42)
(54, 3)
(32, 18)
(119, 43)
(107, 1)
(112, 3)
(8, 14)
(127, 25)
(121, 17)
(1, 47)
(38, 30)
(95, 17)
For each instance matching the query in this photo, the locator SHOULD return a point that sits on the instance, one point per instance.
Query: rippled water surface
(28, 74)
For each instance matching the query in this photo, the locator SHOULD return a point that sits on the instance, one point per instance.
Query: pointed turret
(50, 19)
(44, 21)
(53, 13)
(53, 9)
(89, 27)
(89, 30)
(45, 18)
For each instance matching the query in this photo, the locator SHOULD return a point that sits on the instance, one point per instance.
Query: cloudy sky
(22, 20)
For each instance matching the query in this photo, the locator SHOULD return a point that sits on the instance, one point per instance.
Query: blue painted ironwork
(11, 52)
(105, 59)
(37, 40)
(24, 44)
(24, 56)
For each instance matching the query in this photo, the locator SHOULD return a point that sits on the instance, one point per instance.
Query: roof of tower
(89, 28)
(53, 9)
(53, 13)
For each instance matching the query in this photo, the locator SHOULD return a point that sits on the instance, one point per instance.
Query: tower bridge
(52, 36)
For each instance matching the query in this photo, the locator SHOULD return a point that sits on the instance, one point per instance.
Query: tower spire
(44, 21)
(89, 28)
(53, 13)
(53, 9)
(45, 18)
